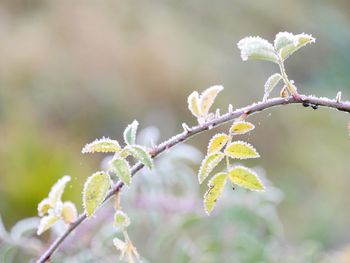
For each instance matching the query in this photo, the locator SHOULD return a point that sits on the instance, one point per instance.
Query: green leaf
(121, 220)
(130, 133)
(241, 127)
(193, 104)
(241, 150)
(104, 145)
(217, 142)
(95, 191)
(287, 43)
(216, 186)
(46, 223)
(141, 154)
(207, 98)
(257, 48)
(208, 164)
(271, 82)
(57, 190)
(246, 178)
(122, 169)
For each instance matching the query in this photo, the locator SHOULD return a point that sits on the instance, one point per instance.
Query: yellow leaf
(241, 127)
(246, 178)
(241, 150)
(216, 186)
(46, 223)
(207, 98)
(208, 164)
(103, 145)
(217, 142)
(69, 212)
(95, 190)
(193, 104)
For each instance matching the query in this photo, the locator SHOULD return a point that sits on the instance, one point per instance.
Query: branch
(314, 102)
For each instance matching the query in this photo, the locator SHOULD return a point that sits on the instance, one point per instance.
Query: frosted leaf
(44, 206)
(57, 190)
(217, 142)
(208, 164)
(246, 178)
(69, 212)
(216, 186)
(241, 150)
(257, 48)
(121, 220)
(120, 245)
(287, 43)
(130, 133)
(95, 191)
(271, 82)
(282, 40)
(207, 98)
(104, 145)
(241, 127)
(141, 154)
(122, 169)
(193, 104)
(46, 223)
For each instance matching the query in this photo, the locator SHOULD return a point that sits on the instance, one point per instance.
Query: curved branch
(249, 110)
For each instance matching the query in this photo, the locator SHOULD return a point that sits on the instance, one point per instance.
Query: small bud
(284, 92)
(121, 220)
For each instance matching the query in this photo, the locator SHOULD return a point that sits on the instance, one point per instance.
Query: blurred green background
(73, 71)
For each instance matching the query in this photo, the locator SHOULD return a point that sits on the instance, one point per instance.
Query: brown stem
(249, 110)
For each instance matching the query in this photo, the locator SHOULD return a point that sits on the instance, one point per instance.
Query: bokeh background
(73, 71)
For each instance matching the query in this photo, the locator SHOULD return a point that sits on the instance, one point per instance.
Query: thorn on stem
(338, 97)
(185, 127)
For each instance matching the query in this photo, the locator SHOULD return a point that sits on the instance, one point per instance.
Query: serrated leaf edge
(88, 180)
(241, 122)
(212, 141)
(88, 148)
(252, 172)
(150, 166)
(220, 157)
(246, 144)
(128, 165)
(210, 188)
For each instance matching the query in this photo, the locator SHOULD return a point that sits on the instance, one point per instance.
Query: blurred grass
(74, 71)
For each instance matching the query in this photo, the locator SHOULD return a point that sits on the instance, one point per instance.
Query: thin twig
(249, 110)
